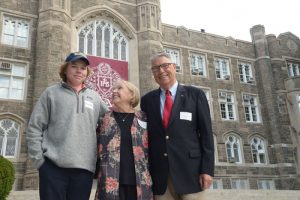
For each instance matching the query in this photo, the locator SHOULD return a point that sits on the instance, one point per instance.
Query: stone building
(253, 88)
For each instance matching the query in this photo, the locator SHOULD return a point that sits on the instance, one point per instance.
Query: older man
(181, 147)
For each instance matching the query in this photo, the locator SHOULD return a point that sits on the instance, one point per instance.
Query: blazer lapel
(179, 100)
(156, 106)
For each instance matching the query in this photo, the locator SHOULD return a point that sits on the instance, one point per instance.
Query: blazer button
(165, 154)
(167, 137)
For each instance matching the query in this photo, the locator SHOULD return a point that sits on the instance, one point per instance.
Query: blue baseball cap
(72, 57)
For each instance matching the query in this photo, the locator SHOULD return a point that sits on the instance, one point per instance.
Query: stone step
(209, 195)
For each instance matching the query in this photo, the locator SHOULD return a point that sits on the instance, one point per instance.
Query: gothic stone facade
(253, 87)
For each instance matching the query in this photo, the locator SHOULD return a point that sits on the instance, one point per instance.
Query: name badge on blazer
(186, 116)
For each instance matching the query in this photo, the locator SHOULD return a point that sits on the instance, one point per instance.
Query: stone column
(150, 40)
(279, 141)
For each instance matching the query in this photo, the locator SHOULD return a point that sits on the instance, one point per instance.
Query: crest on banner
(102, 80)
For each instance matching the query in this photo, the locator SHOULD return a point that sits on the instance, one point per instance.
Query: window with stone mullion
(15, 31)
(233, 149)
(100, 38)
(258, 150)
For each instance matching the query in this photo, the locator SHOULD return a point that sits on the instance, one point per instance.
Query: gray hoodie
(62, 127)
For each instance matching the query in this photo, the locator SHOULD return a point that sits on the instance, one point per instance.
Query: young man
(181, 148)
(61, 133)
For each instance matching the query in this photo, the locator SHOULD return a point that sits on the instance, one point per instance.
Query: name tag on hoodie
(89, 104)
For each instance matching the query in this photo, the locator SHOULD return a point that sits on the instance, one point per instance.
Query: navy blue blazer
(185, 149)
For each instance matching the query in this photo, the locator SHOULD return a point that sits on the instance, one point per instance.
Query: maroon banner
(105, 73)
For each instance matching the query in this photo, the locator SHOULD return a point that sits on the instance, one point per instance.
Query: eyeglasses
(164, 66)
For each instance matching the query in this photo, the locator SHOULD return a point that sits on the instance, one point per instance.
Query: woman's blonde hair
(63, 69)
(133, 89)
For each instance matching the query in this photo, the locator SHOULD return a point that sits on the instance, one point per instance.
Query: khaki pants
(170, 194)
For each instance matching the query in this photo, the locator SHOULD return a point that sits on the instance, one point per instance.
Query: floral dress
(109, 140)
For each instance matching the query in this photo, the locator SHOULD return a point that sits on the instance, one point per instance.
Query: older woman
(123, 149)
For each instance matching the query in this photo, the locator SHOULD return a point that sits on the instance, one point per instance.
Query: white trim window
(175, 57)
(101, 38)
(251, 108)
(217, 184)
(9, 135)
(197, 63)
(245, 71)
(266, 185)
(239, 184)
(222, 68)
(15, 31)
(233, 149)
(227, 105)
(293, 69)
(258, 150)
(12, 80)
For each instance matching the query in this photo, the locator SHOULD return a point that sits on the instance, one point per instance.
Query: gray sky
(233, 17)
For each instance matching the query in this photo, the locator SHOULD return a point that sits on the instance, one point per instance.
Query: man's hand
(205, 181)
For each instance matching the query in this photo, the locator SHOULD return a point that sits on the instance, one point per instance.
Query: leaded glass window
(101, 38)
(233, 149)
(116, 48)
(9, 134)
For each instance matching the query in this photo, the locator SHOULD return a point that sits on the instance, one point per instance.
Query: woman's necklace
(123, 118)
